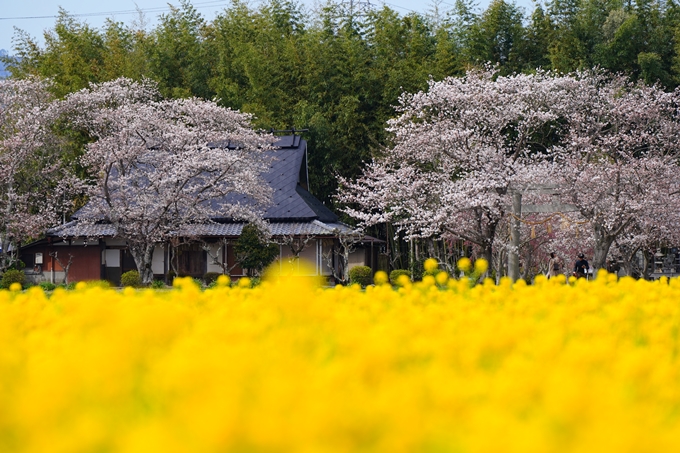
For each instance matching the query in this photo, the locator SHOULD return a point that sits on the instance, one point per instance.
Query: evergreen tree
(498, 36)
(253, 253)
(177, 59)
(539, 33)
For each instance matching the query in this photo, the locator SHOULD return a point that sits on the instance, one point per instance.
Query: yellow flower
(464, 264)
(403, 280)
(101, 369)
(481, 265)
(429, 280)
(223, 280)
(431, 265)
(442, 278)
(380, 278)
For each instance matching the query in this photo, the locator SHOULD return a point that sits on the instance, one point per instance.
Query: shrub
(47, 286)
(12, 276)
(253, 252)
(131, 278)
(361, 275)
(210, 277)
(158, 284)
(395, 274)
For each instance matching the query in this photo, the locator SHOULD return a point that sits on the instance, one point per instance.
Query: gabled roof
(287, 176)
(294, 211)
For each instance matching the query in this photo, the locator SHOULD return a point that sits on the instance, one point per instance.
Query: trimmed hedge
(12, 276)
(363, 275)
(131, 278)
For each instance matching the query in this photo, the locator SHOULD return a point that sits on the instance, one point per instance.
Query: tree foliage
(253, 252)
(462, 147)
(35, 176)
(159, 166)
(339, 75)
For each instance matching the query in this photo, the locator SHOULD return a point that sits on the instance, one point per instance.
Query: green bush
(131, 278)
(253, 252)
(12, 276)
(47, 286)
(210, 277)
(363, 275)
(158, 284)
(395, 274)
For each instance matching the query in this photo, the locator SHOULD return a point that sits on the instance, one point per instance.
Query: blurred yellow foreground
(290, 367)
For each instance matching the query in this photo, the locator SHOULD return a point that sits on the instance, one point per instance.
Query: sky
(34, 16)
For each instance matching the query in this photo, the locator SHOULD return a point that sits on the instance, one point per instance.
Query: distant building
(296, 218)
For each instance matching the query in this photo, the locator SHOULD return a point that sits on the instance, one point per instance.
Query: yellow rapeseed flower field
(437, 366)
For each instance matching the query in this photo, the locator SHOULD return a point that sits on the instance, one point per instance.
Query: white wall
(357, 257)
(112, 257)
(214, 252)
(158, 260)
(309, 259)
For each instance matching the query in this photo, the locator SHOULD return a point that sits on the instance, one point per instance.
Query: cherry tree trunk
(627, 266)
(603, 242)
(143, 255)
(647, 266)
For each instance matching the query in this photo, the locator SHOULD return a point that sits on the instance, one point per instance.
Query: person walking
(554, 266)
(581, 267)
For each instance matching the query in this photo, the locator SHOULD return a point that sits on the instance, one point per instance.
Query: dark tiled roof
(313, 228)
(76, 228)
(320, 210)
(290, 202)
(293, 208)
(283, 178)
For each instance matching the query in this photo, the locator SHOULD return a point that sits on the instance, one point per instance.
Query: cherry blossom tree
(458, 149)
(464, 145)
(619, 160)
(160, 166)
(33, 176)
(656, 225)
